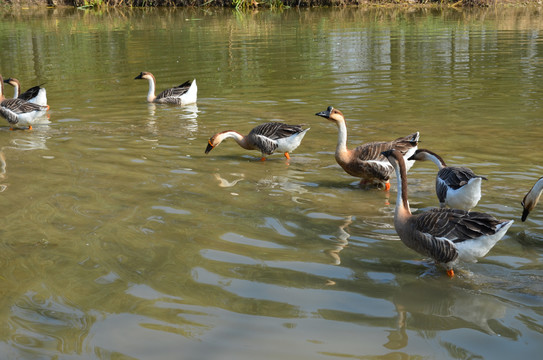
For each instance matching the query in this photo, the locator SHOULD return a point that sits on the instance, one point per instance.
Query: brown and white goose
(184, 94)
(458, 187)
(19, 113)
(267, 138)
(35, 94)
(445, 235)
(366, 161)
(531, 198)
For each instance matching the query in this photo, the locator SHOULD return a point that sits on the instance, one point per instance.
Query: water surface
(121, 239)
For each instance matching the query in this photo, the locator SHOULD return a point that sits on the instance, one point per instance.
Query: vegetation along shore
(265, 3)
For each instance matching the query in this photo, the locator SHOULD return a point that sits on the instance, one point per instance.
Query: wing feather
(455, 176)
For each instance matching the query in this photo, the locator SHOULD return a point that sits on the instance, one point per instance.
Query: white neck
(16, 91)
(439, 162)
(402, 211)
(240, 139)
(535, 192)
(342, 137)
(151, 94)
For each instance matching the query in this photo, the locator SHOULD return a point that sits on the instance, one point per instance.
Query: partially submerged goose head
(332, 114)
(531, 198)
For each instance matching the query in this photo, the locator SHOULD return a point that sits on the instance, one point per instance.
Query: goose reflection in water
(423, 307)
(224, 183)
(342, 242)
(188, 114)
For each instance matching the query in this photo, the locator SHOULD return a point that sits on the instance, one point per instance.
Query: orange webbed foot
(387, 186)
(450, 272)
(262, 158)
(287, 155)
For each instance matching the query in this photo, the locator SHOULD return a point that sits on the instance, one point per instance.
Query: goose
(267, 138)
(183, 94)
(458, 187)
(531, 198)
(18, 112)
(446, 235)
(366, 161)
(36, 94)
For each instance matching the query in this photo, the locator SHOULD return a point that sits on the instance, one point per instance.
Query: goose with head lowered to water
(366, 161)
(267, 138)
(531, 198)
(184, 94)
(19, 113)
(445, 235)
(456, 186)
(35, 94)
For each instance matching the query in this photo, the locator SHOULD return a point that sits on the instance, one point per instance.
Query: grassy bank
(259, 3)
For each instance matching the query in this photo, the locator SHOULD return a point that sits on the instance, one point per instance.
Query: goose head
(332, 114)
(12, 81)
(145, 75)
(214, 141)
(528, 203)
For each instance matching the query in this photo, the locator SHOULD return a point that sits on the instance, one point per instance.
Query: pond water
(121, 239)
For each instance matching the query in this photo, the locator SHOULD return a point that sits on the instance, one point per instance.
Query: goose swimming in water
(35, 94)
(531, 198)
(17, 112)
(183, 94)
(445, 235)
(267, 138)
(366, 161)
(458, 187)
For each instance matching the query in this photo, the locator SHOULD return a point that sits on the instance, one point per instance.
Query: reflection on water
(122, 239)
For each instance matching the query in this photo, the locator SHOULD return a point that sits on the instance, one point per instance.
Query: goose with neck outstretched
(184, 94)
(267, 138)
(531, 198)
(35, 94)
(445, 235)
(456, 186)
(19, 113)
(366, 160)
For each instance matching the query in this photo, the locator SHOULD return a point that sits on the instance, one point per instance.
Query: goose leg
(287, 155)
(450, 272)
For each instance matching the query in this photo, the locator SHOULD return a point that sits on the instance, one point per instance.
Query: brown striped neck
(402, 204)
